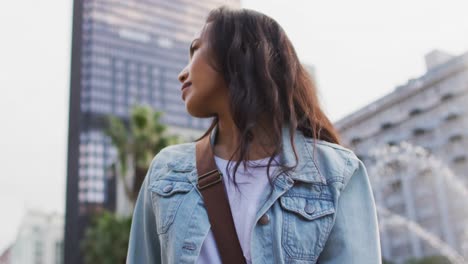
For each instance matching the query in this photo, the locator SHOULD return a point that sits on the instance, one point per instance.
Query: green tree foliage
(137, 141)
(106, 239)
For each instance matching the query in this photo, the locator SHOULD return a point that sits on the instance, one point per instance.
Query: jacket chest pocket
(167, 197)
(307, 223)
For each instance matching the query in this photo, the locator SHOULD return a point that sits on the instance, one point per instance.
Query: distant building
(39, 239)
(430, 111)
(124, 52)
(5, 257)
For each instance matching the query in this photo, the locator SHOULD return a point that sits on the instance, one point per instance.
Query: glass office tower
(124, 52)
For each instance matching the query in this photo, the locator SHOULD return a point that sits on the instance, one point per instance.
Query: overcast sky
(361, 50)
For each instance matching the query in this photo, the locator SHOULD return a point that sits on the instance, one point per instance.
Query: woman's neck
(228, 139)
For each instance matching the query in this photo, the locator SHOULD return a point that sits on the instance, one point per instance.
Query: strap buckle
(209, 183)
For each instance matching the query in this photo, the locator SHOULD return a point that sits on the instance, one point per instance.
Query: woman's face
(204, 90)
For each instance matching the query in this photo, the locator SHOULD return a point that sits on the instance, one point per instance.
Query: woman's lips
(185, 84)
(184, 89)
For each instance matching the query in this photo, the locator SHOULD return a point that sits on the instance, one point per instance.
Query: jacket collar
(306, 169)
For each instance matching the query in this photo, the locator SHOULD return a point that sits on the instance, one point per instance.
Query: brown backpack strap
(211, 186)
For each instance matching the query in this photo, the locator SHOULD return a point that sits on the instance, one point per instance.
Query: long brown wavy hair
(265, 79)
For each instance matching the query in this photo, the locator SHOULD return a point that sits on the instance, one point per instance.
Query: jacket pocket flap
(168, 188)
(309, 208)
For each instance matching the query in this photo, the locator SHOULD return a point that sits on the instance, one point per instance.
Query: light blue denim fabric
(322, 212)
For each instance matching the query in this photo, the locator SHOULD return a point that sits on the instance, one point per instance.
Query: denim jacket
(322, 212)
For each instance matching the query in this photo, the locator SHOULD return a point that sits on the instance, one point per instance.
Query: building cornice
(403, 92)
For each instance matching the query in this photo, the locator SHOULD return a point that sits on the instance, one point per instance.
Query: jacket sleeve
(143, 247)
(354, 238)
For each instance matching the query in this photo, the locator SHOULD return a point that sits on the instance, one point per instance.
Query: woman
(299, 197)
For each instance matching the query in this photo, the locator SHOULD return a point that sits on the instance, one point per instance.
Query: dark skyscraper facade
(124, 52)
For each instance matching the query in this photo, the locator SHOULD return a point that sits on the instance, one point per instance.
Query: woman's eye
(192, 49)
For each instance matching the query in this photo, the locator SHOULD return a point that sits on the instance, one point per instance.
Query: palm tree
(137, 141)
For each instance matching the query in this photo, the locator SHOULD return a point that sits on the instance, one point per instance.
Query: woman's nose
(183, 75)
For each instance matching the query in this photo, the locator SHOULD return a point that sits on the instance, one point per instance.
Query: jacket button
(265, 219)
(309, 209)
(167, 188)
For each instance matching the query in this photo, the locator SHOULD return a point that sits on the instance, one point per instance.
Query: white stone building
(39, 239)
(430, 111)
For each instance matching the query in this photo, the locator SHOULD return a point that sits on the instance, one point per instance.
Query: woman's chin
(196, 111)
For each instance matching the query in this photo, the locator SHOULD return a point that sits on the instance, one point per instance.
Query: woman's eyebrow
(191, 46)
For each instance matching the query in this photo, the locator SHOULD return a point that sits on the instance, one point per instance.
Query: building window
(386, 126)
(58, 252)
(415, 112)
(355, 141)
(451, 117)
(419, 131)
(459, 159)
(396, 186)
(446, 97)
(456, 138)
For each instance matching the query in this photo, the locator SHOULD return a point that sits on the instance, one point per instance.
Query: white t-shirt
(244, 205)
